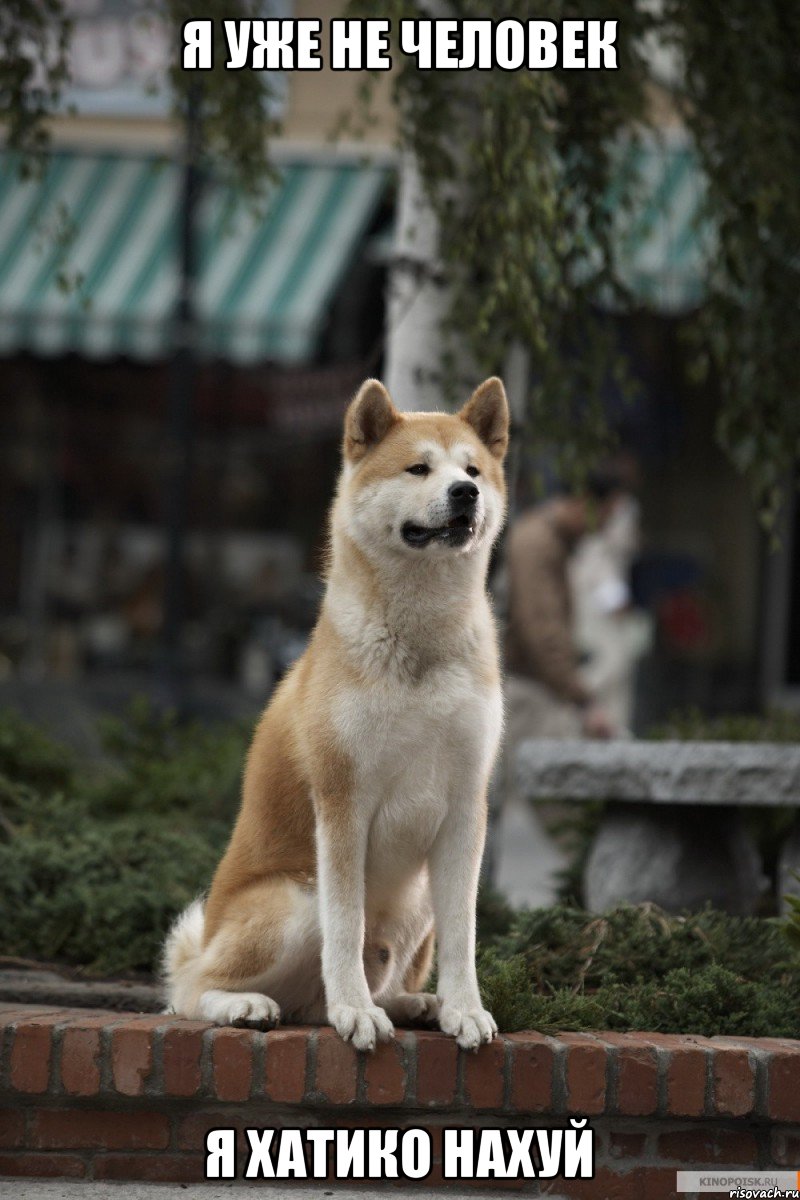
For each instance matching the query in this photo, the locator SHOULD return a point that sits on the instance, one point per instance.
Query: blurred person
(546, 693)
(611, 634)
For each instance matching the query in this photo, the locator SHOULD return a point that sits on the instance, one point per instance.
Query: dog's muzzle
(462, 499)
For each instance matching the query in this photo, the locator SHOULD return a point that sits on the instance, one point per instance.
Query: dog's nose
(462, 494)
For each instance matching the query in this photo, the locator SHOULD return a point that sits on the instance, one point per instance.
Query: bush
(792, 925)
(96, 861)
(637, 968)
(99, 895)
(691, 725)
(28, 755)
(161, 766)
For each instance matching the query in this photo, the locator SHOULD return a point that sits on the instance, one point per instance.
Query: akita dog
(363, 814)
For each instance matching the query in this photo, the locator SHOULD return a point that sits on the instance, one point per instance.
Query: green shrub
(160, 765)
(30, 756)
(100, 894)
(567, 947)
(708, 1002)
(637, 968)
(96, 861)
(692, 725)
(792, 923)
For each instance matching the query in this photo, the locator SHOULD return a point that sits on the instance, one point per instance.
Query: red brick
(182, 1049)
(753, 1043)
(625, 1145)
(437, 1065)
(89, 1019)
(531, 1073)
(686, 1082)
(785, 1149)
(585, 1074)
(637, 1074)
(285, 1075)
(484, 1076)
(12, 1127)
(631, 1037)
(80, 1061)
(232, 1063)
(784, 1086)
(734, 1083)
(717, 1147)
(192, 1129)
(665, 1041)
(658, 1183)
(131, 1059)
(385, 1073)
(605, 1183)
(52, 1166)
(436, 1133)
(436, 1180)
(379, 1119)
(82, 1017)
(79, 1129)
(337, 1068)
(31, 1054)
(10, 1013)
(152, 1021)
(176, 1168)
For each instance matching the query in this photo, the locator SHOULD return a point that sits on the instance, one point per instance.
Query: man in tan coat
(546, 696)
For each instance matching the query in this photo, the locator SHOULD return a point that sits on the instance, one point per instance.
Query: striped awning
(662, 243)
(89, 257)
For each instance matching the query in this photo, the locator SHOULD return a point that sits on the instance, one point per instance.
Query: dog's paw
(413, 1006)
(250, 1009)
(364, 1027)
(469, 1026)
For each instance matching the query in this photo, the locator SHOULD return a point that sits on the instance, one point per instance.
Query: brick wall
(106, 1095)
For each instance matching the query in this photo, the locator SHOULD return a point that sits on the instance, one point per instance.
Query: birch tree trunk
(417, 300)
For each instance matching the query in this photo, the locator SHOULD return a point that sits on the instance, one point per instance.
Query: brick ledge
(108, 1094)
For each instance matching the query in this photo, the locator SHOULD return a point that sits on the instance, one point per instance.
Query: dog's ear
(487, 412)
(369, 418)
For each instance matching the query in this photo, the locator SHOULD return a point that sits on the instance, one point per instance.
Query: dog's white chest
(415, 750)
(392, 731)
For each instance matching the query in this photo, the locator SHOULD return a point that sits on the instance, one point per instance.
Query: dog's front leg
(341, 858)
(454, 865)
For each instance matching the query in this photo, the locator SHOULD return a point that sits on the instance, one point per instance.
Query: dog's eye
(472, 471)
(419, 469)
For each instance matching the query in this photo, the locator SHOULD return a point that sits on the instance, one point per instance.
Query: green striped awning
(88, 257)
(662, 244)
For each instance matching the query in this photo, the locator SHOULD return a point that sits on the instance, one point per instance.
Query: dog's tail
(182, 950)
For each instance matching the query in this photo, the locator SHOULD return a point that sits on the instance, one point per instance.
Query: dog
(363, 812)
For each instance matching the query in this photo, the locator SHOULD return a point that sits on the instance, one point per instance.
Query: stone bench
(672, 832)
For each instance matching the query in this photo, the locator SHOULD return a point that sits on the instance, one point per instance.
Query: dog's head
(424, 483)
